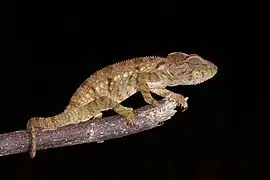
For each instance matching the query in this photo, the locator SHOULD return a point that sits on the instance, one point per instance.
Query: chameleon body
(108, 87)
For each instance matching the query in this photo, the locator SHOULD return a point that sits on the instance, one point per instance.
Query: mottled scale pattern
(116, 81)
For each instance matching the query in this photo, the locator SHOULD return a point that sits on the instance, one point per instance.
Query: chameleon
(111, 85)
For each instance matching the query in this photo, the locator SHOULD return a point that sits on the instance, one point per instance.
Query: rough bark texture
(90, 131)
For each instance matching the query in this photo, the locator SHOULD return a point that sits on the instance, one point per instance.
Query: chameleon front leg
(143, 87)
(178, 98)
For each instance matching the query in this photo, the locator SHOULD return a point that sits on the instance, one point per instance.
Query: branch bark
(89, 131)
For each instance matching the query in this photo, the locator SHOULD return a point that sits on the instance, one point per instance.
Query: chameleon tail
(47, 123)
(32, 145)
(37, 123)
(69, 116)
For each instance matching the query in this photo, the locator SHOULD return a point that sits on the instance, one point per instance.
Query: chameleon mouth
(210, 74)
(214, 70)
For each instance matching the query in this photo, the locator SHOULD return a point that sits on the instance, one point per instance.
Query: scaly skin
(108, 87)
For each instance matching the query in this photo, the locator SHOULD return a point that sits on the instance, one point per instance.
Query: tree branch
(89, 131)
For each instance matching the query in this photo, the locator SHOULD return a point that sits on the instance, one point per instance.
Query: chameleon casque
(108, 87)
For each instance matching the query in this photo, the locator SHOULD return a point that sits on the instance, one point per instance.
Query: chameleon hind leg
(169, 95)
(105, 103)
(77, 115)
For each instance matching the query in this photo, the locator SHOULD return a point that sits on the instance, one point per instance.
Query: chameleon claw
(179, 99)
(154, 104)
(185, 106)
(184, 109)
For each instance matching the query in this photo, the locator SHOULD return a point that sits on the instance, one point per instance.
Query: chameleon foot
(127, 113)
(171, 96)
(179, 99)
(153, 102)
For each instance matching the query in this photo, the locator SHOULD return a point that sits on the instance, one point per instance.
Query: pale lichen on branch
(89, 131)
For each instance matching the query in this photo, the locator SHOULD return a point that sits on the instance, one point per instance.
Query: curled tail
(32, 134)
(45, 124)
(69, 116)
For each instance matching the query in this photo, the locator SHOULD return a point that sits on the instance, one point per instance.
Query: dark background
(221, 136)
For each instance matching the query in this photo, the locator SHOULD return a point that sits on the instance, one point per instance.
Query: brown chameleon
(108, 87)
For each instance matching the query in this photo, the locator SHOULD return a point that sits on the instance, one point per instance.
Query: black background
(221, 136)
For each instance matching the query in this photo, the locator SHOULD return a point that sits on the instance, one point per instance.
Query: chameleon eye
(194, 62)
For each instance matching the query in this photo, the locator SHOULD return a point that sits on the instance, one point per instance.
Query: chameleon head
(190, 69)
